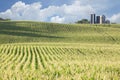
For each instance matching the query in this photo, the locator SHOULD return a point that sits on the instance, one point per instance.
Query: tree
(1, 19)
(83, 21)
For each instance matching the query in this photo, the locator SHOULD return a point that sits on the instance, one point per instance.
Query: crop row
(21, 62)
(32, 57)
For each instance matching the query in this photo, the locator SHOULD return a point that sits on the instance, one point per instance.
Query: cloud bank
(59, 14)
(115, 18)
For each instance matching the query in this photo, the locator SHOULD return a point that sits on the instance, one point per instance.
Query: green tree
(1, 19)
(83, 21)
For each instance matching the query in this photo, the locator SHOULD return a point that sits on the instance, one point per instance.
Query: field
(49, 51)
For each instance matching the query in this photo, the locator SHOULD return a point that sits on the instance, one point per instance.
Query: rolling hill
(51, 51)
(26, 31)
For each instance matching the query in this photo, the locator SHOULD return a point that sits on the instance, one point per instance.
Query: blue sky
(6, 4)
(60, 11)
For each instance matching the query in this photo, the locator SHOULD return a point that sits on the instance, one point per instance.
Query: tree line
(1, 19)
(83, 21)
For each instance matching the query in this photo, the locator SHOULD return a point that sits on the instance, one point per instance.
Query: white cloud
(57, 19)
(115, 18)
(60, 14)
(22, 11)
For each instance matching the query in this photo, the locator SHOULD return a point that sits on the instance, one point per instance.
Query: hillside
(50, 51)
(26, 31)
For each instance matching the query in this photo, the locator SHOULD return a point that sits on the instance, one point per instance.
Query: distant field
(49, 51)
(25, 32)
